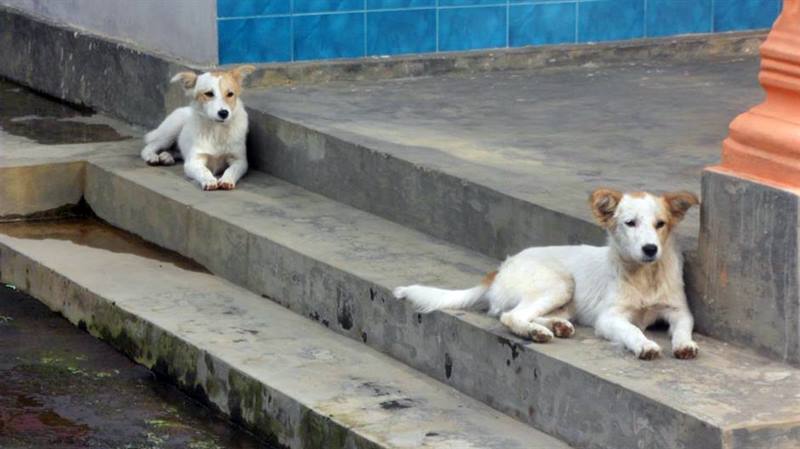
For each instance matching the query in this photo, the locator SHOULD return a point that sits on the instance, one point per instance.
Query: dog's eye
(209, 94)
(230, 94)
(630, 223)
(660, 224)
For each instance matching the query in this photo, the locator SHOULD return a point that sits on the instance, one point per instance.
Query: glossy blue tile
(671, 17)
(392, 4)
(239, 8)
(545, 23)
(328, 36)
(732, 15)
(399, 32)
(254, 40)
(471, 28)
(305, 6)
(470, 2)
(610, 20)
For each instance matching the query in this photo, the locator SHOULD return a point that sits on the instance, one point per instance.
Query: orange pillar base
(748, 288)
(764, 142)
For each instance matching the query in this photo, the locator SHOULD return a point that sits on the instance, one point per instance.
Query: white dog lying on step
(210, 132)
(619, 289)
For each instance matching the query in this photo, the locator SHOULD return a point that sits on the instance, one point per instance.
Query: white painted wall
(183, 28)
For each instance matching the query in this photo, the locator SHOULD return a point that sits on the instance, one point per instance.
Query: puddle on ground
(48, 121)
(62, 388)
(94, 233)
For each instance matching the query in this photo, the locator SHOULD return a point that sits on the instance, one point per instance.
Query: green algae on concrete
(273, 370)
(61, 388)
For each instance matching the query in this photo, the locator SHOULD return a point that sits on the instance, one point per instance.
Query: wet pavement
(62, 388)
(28, 116)
(94, 233)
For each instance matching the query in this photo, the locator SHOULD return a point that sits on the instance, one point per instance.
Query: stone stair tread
(522, 134)
(367, 395)
(726, 386)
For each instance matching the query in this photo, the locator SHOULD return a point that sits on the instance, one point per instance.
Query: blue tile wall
(671, 17)
(472, 28)
(300, 30)
(732, 15)
(401, 32)
(544, 23)
(610, 20)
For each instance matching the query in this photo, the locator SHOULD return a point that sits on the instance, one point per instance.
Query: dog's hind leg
(542, 316)
(559, 321)
(521, 322)
(164, 137)
(540, 291)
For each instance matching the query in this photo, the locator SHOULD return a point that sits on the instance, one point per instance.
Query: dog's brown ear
(187, 79)
(680, 202)
(604, 202)
(242, 71)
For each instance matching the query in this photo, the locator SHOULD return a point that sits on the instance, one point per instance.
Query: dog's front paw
(210, 185)
(150, 157)
(226, 185)
(649, 351)
(166, 158)
(399, 292)
(563, 329)
(686, 351)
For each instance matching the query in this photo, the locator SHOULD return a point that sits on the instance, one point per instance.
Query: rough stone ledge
(336, 265)
(294, 383)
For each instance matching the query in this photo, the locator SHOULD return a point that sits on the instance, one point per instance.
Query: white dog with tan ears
(210, 132)
(619, 289)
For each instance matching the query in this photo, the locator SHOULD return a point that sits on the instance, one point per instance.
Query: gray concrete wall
(749, 283)
(185, 29)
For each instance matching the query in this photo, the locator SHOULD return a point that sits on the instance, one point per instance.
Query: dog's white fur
(618, 289)
(210, 132)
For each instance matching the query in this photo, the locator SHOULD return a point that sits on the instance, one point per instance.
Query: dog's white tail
(427, 299)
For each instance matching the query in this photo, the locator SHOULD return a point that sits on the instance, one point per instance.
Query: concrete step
(337, 265)
(498, 162)
(294, 382)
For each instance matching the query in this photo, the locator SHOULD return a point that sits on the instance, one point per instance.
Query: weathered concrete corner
(86, 69)
(750, 281)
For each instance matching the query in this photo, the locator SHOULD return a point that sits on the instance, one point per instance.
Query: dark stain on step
(397, 404)
(512, 345)
(94, 233)
(448, 365)
(47, 120)
(376, 389)
(343, 313)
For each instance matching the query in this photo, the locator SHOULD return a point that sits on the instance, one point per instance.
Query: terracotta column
(749, 289)
(764, 142)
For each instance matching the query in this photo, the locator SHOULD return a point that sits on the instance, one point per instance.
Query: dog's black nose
(223, 113)
(650, 250)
